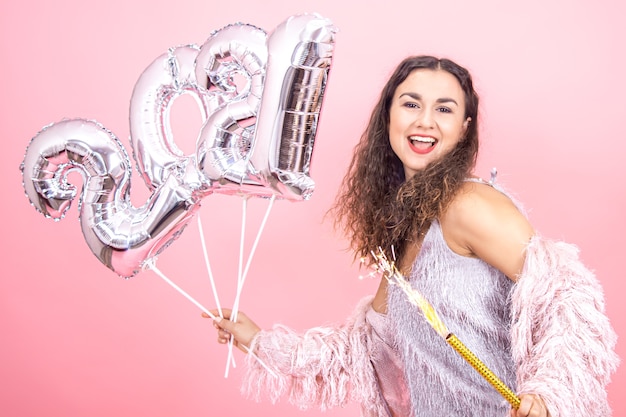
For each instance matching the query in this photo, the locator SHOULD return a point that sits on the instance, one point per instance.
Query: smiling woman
(469, 248)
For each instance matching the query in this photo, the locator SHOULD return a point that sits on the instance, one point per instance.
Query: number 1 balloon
(289, 116)
(260, 97)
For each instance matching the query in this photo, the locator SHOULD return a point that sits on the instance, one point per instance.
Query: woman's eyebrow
(447, 100)
(416, 96)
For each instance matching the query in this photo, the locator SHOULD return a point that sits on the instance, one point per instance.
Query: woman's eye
(445, 109)
(411, 105)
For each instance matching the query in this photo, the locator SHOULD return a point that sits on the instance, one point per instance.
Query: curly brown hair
(375, 206)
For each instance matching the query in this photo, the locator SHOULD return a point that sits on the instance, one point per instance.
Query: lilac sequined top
(472, 299)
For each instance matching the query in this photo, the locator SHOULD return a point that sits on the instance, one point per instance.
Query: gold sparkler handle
(482, 369)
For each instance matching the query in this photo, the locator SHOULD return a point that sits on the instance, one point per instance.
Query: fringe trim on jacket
(562, 344)
(325, 367)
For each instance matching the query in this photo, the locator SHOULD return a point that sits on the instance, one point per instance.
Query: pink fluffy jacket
(562, 345)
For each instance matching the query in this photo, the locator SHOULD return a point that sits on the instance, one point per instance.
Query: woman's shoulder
(480, 198)
(482, 215)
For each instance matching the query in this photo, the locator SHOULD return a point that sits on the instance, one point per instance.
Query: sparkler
(389, 270)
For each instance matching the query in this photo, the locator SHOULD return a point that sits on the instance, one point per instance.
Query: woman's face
(426, 119)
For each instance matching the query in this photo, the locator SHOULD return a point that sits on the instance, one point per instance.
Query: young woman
(526, 305)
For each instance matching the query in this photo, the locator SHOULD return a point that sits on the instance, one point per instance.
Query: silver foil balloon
(121, 236)
(260, 99)
(233, 61)
(300, 57)
(168, 77)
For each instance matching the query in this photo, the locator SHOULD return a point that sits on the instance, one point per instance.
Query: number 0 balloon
(260, 97)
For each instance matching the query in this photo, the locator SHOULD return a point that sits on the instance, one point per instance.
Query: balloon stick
(208, 267)
(233, 315)
(243, 276)
(153, 267)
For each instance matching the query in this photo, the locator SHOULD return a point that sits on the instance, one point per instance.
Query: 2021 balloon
(260, 97)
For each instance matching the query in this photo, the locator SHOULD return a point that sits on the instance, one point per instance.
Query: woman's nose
(425, 119)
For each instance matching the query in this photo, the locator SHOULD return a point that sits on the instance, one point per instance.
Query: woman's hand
(531, 406)
(242, 331)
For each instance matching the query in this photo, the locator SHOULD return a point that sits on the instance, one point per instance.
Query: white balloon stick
(210, 272)
(208, 267)
(233, 315)
(153, 267)
(242, 279)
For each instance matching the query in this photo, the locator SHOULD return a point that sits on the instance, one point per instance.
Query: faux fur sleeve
(324, 367)
(562, 342)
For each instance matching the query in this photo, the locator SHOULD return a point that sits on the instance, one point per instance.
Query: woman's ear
(465, 126)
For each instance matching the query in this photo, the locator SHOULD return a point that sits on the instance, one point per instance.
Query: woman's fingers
(242, 331)
(531, 405)
(223, 336)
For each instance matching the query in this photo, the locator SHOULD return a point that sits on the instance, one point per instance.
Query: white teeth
(422, 139)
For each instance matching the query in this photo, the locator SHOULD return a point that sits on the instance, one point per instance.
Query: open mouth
(422, 143)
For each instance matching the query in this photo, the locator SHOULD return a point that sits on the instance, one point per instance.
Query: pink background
(79, 341)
